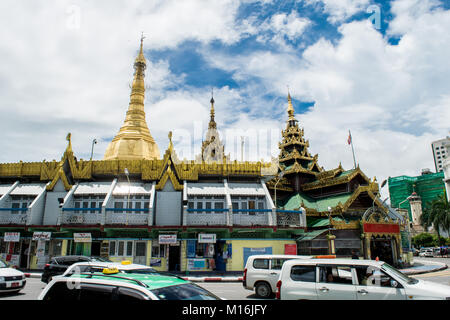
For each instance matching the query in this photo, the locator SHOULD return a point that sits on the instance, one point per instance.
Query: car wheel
(263, 290)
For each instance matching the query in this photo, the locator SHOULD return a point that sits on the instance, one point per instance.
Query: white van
(344, 279)
(262, 271)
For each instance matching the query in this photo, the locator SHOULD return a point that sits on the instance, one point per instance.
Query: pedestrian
(354, 255)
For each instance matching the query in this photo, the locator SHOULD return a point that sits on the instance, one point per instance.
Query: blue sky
(68, 67)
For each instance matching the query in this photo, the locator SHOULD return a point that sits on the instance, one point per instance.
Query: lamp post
(127, 173)
(92, 149)
(330, 237)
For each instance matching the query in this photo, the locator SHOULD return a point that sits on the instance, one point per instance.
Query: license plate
(15, 284)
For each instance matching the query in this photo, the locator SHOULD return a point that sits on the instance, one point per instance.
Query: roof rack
(142, 284)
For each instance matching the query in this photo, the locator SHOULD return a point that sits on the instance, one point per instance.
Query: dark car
(58, 265)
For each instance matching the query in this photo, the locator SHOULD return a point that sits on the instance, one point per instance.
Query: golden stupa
(134, 141)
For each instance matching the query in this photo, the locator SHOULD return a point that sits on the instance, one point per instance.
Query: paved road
(227, 290)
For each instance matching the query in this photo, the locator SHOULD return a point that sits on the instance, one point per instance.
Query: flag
(349, 140)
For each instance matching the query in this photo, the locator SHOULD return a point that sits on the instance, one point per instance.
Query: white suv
(262, 271)
(345, 279)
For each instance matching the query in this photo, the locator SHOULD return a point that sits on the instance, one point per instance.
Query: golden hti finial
(212, 122)
(290, 107)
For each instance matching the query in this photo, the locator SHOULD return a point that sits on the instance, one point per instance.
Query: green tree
(423, 240)
(437, 215)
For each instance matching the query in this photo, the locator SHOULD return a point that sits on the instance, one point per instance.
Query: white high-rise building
(440, 153)
(446, 168)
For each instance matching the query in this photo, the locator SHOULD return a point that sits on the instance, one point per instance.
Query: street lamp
(127, 173)
(92, 149)
(330, 237)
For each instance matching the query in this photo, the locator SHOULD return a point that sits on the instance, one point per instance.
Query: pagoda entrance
(384, 248)
(382, 237)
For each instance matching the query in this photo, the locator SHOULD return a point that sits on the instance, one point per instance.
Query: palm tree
(437, 215)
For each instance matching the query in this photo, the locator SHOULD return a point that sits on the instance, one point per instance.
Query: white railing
(13, 217)
(81, 218)
(131, 218)
(207, 219)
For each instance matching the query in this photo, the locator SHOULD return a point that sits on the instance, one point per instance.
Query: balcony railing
(207, 217)
(81, 216)
(286, 218)
(127, 216)
(13, 216)
(251, 217)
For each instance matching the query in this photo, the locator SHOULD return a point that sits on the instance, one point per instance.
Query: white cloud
(341, 10)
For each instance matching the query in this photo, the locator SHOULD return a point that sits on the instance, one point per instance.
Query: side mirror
(394, 284)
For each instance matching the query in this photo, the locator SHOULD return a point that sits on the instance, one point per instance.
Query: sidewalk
(418, 268)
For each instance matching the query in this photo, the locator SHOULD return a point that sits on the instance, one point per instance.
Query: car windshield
(188, 291)
(3, 265)
(390, 269)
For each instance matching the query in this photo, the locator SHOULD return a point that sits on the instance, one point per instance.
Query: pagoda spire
(290, 109)
(212, 122)
(134, 140)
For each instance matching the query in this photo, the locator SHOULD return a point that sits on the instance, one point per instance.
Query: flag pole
(353, 151)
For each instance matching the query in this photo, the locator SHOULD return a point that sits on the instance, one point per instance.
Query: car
(111, 284)
(261, 272)
(344, 279)
(98, 266)
(11, 280)
(426, 253)
(58, 265)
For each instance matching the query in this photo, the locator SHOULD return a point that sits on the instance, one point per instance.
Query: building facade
(440, 153)
(170, 214)
(343, 209)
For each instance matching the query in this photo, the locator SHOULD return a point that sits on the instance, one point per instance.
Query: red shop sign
(381, 228)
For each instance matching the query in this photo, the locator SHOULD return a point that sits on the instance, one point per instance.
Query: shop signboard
(167, 239)
(82, 237)
(290, 249)
(12, 237)
(207, 238)
(41, 235)
(196, 264)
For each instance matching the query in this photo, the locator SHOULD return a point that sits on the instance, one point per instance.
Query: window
(370, 276)
(199, 207)
(235, 206)
(244, 206)
(118, 205)
(129, 248)
(93, 205)
(261, 205)
(336, 274)
(278, 263)
(218, 205)
(120, 249)
(190, 205)
(261, 264)
(188, 291)
(77, 205)
(303, 273)
(158, 251)
(112, 248)
(208, 206)
(251, 206)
